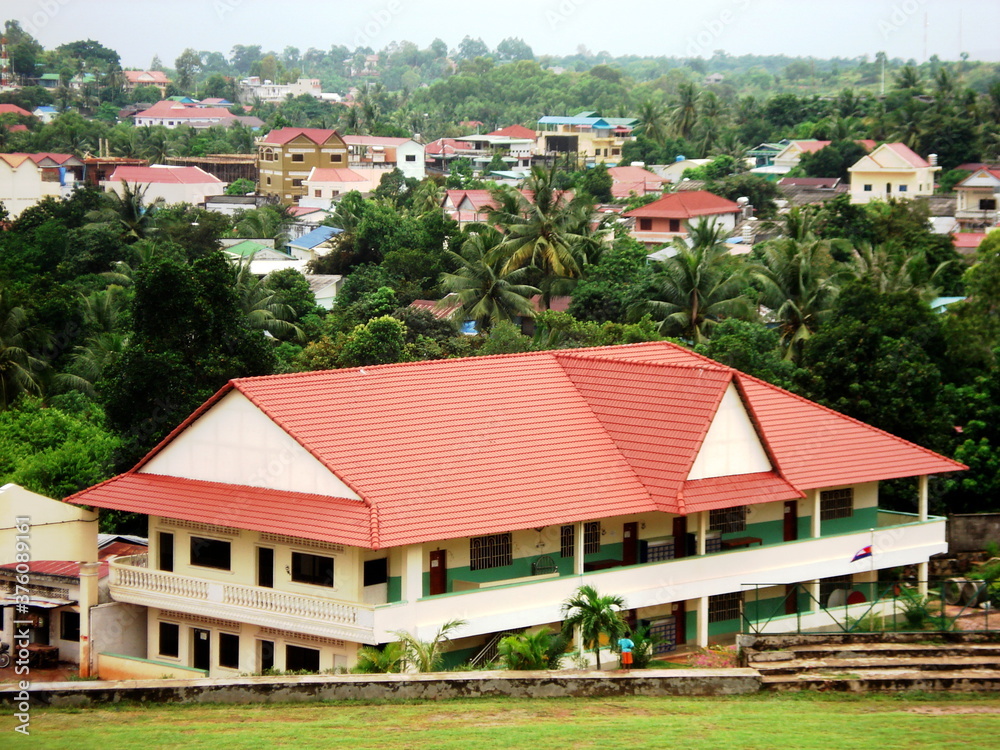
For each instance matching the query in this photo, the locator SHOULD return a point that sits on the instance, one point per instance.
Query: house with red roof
(295, 518)
(169, 183)
(13, 109)
(371, 152)
(286, 157)
(633, 180)
(136, 78)
(976, 199)
(26, 179)
(788, 158)
(173, 114)
(324, 185)
(893, 170)
(661, 221)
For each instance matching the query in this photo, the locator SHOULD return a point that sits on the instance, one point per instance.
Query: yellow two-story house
(893, 170)
(296, 518)
(285, 158)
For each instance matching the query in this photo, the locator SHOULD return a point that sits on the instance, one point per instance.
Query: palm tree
(684, 114)
(595, 615)
(372, 660)
(550, 231)
(426, 656)
(655, 121)
(541, 650)
(890, 270)
(798, 283)
(102, 315)
(908, 79)
(488, 294)
(129, 210)
(270, 222)
(260, 306)
(697, 286)
(20, 369)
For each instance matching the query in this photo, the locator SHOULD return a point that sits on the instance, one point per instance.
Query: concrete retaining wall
(969, 532)
(686, 682)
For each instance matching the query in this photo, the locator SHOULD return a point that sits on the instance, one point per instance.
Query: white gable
(982, 178)
(234, 442)
(731, 445)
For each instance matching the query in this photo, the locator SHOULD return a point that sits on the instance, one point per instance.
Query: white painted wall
(23, 187)
(416, 168)
(731, 445)
(173, 193)
(58, 531)
(236, 443)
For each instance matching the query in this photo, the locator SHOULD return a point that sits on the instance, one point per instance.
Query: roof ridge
(711, 365)
(958, 466)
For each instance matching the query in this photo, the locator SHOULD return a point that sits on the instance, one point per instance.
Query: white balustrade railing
(128, 573)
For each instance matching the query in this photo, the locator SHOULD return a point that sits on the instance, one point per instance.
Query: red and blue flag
(862, 553)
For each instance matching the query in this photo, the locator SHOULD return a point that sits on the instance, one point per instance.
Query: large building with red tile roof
(169, 183)
(286, 157)
(294, 518)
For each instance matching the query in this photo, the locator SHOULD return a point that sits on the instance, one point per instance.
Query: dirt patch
(953, 710)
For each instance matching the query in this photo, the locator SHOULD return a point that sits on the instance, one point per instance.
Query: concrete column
(702, 533)
(413, 572)
(922, 497)
(578, 548)
(813, 588)
(816, 525)
(702, 624)
(922, 573)
(88, 599)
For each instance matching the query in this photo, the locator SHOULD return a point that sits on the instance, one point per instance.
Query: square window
(903, 188)
(376, 572)
(491, 551)
(988, 204)
(675, 225)
(210, 553)
(836, 504)
(868, 188)
(724, 607)
(645, 225)
(70, 626)
(317, 193)
(170, 635)
(296, 183)
(336, 158)
(313, 569)
(229, 650)
(728, 520)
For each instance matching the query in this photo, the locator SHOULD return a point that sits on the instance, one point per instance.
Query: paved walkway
(62, 673)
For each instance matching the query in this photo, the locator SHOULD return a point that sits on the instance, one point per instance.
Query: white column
(816, 526)
(578, 548)
(702, 618)
(922, 573)
(413, 573)
(813, 588)
(88, 599)
(922, 497)
(702, 534)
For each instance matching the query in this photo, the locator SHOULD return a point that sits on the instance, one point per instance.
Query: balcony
(131, 581)
(902, 540)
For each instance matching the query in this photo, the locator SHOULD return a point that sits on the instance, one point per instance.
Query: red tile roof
(968, 240)
(333, 174)
(283, 135)
(167, 108)
(515, 131)
(908, 155)
(374, 140)
(13, 109)
(163, 175)
(454, 448)
(686, 205)
(146, 76)
(63, 568)
(446, 146)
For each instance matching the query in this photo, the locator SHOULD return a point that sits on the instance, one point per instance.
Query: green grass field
(768, 722)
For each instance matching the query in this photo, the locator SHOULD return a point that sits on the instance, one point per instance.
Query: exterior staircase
(876, 661)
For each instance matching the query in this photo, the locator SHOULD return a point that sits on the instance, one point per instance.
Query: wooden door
(791, 599)
(791, 520)
(630, 543)
(680, 532)
(439, 572)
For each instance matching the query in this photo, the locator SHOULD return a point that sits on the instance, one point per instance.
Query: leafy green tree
(833, 161)
(597, 183)
(761, 193)
(614, 284)
(750, 347)
(241, 186)
(380, 341)
(20, 367)
(188, 65)
(595, 615)
(513, 49)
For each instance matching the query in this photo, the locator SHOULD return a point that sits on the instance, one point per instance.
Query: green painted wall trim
(202, 672)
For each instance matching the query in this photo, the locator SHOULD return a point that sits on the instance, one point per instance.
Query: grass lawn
(799, 721)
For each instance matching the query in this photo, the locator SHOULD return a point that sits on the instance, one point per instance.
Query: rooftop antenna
(4, 65)
(926, 26)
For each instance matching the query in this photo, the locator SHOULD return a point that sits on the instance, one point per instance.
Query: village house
(25, 179)
(378, 154)
(169, 184)
(136, 78)
(287, 156)
(893, 170)
(976, 199)
(172, 114)
(594, 139)
(661, 221)
(295, 518)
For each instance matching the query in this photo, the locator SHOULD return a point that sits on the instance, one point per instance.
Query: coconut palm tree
(488, 294)
(20, 369)
(129, 210)
(260, 306)
(594, 615)
(106, 341)
(270, 222)
(540, 650)
(799, 284)
(427, 656)
(890, 270)
(654, 119)
(684, 114)
(697, 286)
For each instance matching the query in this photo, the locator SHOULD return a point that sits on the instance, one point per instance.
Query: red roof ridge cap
(711, 365)
(904, 441)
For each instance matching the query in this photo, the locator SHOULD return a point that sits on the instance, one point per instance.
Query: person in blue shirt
(626, 645)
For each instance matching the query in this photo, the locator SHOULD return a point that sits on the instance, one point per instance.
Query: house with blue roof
(313, 243)
(596, 139)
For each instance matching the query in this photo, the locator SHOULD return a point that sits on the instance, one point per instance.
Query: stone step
(874, 650)
(933, 662)
(861, 681)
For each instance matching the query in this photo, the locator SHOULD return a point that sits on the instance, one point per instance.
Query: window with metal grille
(591, 537)
(566, 538)
(728, 519)
(836, 504)
(490, 551)
(657, 551)
(725, 606)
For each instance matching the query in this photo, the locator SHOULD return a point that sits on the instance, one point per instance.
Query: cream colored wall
(347, 567)
(23, 187)
(731, 445)
(236, 443)
(918, 182)
(334, 654)
(57, 531)
(170, 193)
(111, 667)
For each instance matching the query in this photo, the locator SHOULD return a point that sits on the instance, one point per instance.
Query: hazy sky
(138, 29)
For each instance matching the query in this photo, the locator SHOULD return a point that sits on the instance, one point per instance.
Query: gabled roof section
(281, 136)
(891, 156)
(752, 489)
(333, 174)
(686, 205)
(164, 175)
(515, 131)
(315, 238)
